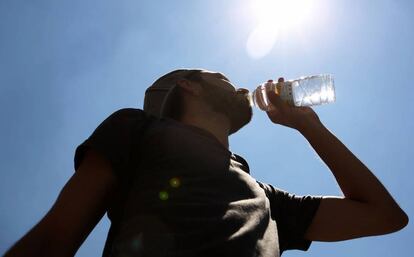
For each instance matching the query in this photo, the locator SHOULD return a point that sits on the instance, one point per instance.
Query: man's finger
(274, 98)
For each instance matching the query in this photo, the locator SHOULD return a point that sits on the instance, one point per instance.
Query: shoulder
(113, 136)
(128, 113)
(126, 117)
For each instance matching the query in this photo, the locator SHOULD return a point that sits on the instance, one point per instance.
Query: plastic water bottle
(304, 91)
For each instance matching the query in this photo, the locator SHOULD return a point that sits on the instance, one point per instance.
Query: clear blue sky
(66, 65)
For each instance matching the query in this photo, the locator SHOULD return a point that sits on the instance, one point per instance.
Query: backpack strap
(139, 131)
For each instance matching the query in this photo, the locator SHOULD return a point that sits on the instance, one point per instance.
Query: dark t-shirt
(183, 193)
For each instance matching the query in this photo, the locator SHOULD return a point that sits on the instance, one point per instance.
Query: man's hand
(286, 115)
(366, 207)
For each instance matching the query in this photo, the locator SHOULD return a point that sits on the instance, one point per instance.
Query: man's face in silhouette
(224, 98)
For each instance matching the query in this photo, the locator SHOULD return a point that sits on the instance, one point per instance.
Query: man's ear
(190, 87)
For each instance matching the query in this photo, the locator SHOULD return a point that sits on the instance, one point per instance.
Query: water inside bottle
(313, 90)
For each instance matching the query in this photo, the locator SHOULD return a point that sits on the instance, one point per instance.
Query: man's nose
(243, 91)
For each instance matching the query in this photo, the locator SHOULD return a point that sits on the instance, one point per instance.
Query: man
(171, 186)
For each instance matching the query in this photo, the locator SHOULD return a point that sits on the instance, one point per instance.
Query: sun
(272, 17)
(282, 13)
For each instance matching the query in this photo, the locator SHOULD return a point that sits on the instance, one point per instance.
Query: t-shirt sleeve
(293, 215)
(113, 138)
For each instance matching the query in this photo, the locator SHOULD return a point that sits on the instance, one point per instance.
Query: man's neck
(218, 126)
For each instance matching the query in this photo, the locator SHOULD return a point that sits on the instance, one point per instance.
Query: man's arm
(79, 207)
(366, 207)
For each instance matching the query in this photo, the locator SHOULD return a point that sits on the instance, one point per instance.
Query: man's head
(167, 96)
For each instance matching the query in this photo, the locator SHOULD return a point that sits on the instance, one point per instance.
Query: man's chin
(240, 121)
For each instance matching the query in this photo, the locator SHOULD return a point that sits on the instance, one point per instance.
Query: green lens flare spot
(136, 243)
(163, 195)
(175, 182)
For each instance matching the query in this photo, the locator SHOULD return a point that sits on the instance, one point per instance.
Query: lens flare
(261, 40)
(175, 182)
(163, 195)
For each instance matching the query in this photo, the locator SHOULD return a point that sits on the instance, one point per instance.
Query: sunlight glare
(273, 16)
(284, 13)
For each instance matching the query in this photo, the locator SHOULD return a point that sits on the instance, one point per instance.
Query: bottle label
(285, 92)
